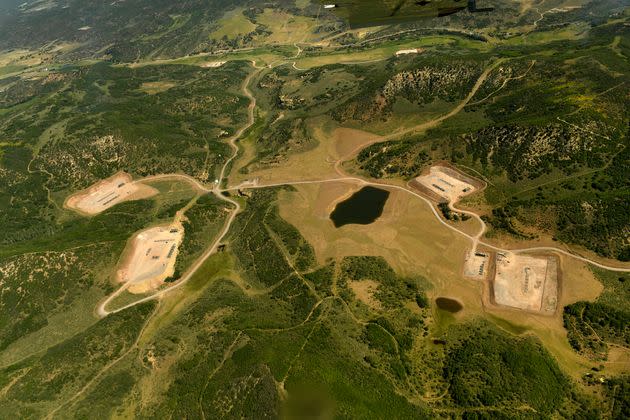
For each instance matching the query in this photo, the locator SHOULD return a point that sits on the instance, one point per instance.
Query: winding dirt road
(217, 190)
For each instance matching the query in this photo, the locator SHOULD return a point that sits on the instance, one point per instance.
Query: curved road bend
(475, 239)
(101, 309)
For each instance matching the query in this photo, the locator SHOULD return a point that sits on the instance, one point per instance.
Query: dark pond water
(449, 305)
(362, 208)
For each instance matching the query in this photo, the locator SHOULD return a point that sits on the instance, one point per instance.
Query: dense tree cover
(114, 225)
(276, 140)
(616, 291)
(618, 390)
(153, 21)
(125, 128)
(589, 210)
(39, 285)
(379, 338)
(396, 158)
(108, 396)
(295, 326)
(322, 279)
(492, 369)
(591, 325)
(392, 330)
(418, 81)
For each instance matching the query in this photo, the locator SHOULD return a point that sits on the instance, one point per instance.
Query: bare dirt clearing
(446, 184)
(151, 88)
(107, 193)
(151, 258)
(409, 51)
(333, 144)
(526, 282)
(213, 64)
(476, 265)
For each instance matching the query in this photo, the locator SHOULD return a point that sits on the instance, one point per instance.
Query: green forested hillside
(533, 98)
(549, 131)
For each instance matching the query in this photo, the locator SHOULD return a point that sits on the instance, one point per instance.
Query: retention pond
(448, 305)
(362, 208)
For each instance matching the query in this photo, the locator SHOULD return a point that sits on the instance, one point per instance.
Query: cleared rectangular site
(526, 282)
(107, 193)
(151, 258)
(446, 183)
(476, 265)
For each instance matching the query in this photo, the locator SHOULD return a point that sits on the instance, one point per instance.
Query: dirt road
(217, 190)
(475, 239)
(425, 125)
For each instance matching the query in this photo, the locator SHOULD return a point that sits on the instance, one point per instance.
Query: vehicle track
(217, 190)
(95, 379)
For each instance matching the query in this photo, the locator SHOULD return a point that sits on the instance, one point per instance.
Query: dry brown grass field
(409, 237)
(318, 163)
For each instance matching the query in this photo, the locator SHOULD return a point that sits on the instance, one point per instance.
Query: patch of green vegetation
(550, 134)
(451, 215)
(175, 130)
(66, 367)
(618, 392)
(616, 288)
(404, 158)
(294, 298)
(202, 223)
(109, 125)
(39, 285)
(501, 373)
(421, 80)
(106, 397)
(591, 326)
(264, 254)
(233, 24)
(299, 251)
(52, 283)
(378, 338)
(395, 327)
(177, 27)
(116, 224)
(342, 383)
(322, 279)
(278, 139)
(392, 289)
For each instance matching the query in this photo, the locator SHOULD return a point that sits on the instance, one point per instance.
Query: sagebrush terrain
(252, 120)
